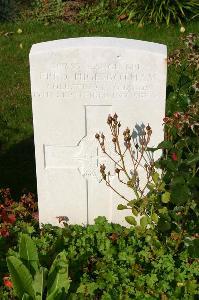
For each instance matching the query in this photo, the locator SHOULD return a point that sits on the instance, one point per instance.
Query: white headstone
(75, 84)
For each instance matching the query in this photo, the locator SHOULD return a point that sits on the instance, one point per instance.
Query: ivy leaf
(131, 220)
(165, 197)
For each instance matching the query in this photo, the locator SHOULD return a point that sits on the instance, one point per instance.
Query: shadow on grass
(17, 168)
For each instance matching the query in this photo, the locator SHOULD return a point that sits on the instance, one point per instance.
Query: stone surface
(75, 84)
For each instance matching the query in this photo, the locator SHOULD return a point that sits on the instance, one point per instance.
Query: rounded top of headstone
(107, 42)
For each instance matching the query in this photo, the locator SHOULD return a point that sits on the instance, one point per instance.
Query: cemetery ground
(156, 260)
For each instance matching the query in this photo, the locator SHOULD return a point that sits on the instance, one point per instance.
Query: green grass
(17, 168)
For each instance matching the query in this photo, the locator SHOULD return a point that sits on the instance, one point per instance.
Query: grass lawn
(17, 169)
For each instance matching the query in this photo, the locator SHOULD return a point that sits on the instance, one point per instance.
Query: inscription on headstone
(75, 84)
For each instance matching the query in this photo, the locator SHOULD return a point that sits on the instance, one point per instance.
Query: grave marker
(75, 84)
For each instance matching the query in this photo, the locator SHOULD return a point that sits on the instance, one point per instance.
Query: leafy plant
(167, 201)
(15, 217)
(161, 11)
(30, 279)
(184, 64)
(181, 173)
(105, 261)
(128, 173)
(141, 12)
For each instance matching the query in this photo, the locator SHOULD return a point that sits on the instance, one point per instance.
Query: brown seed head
(102, 168)
(127, 138)
(115, 117)
(109, 120)
(114, 140)
(97, 136)
(148, 127)
(127, 130)
(117, 170)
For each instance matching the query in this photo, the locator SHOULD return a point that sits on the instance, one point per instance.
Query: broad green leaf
(39, 282)
(144, 221)
(26, 297)
(11, 252)
(58, 280)
(21, 277)
(121, 207)
(28, 253)
(165, 197)
(131, 220)
(27, 248)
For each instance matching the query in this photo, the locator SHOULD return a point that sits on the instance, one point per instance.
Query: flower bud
(102, 168)
(102, 136)
(148, 127)
(97, 136)
(127, 130)
(115, 117)
(109, 120)
(117, 170)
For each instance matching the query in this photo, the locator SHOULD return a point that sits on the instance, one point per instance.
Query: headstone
(75, 84)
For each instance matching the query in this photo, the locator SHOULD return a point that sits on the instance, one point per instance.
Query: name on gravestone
(75, 84)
